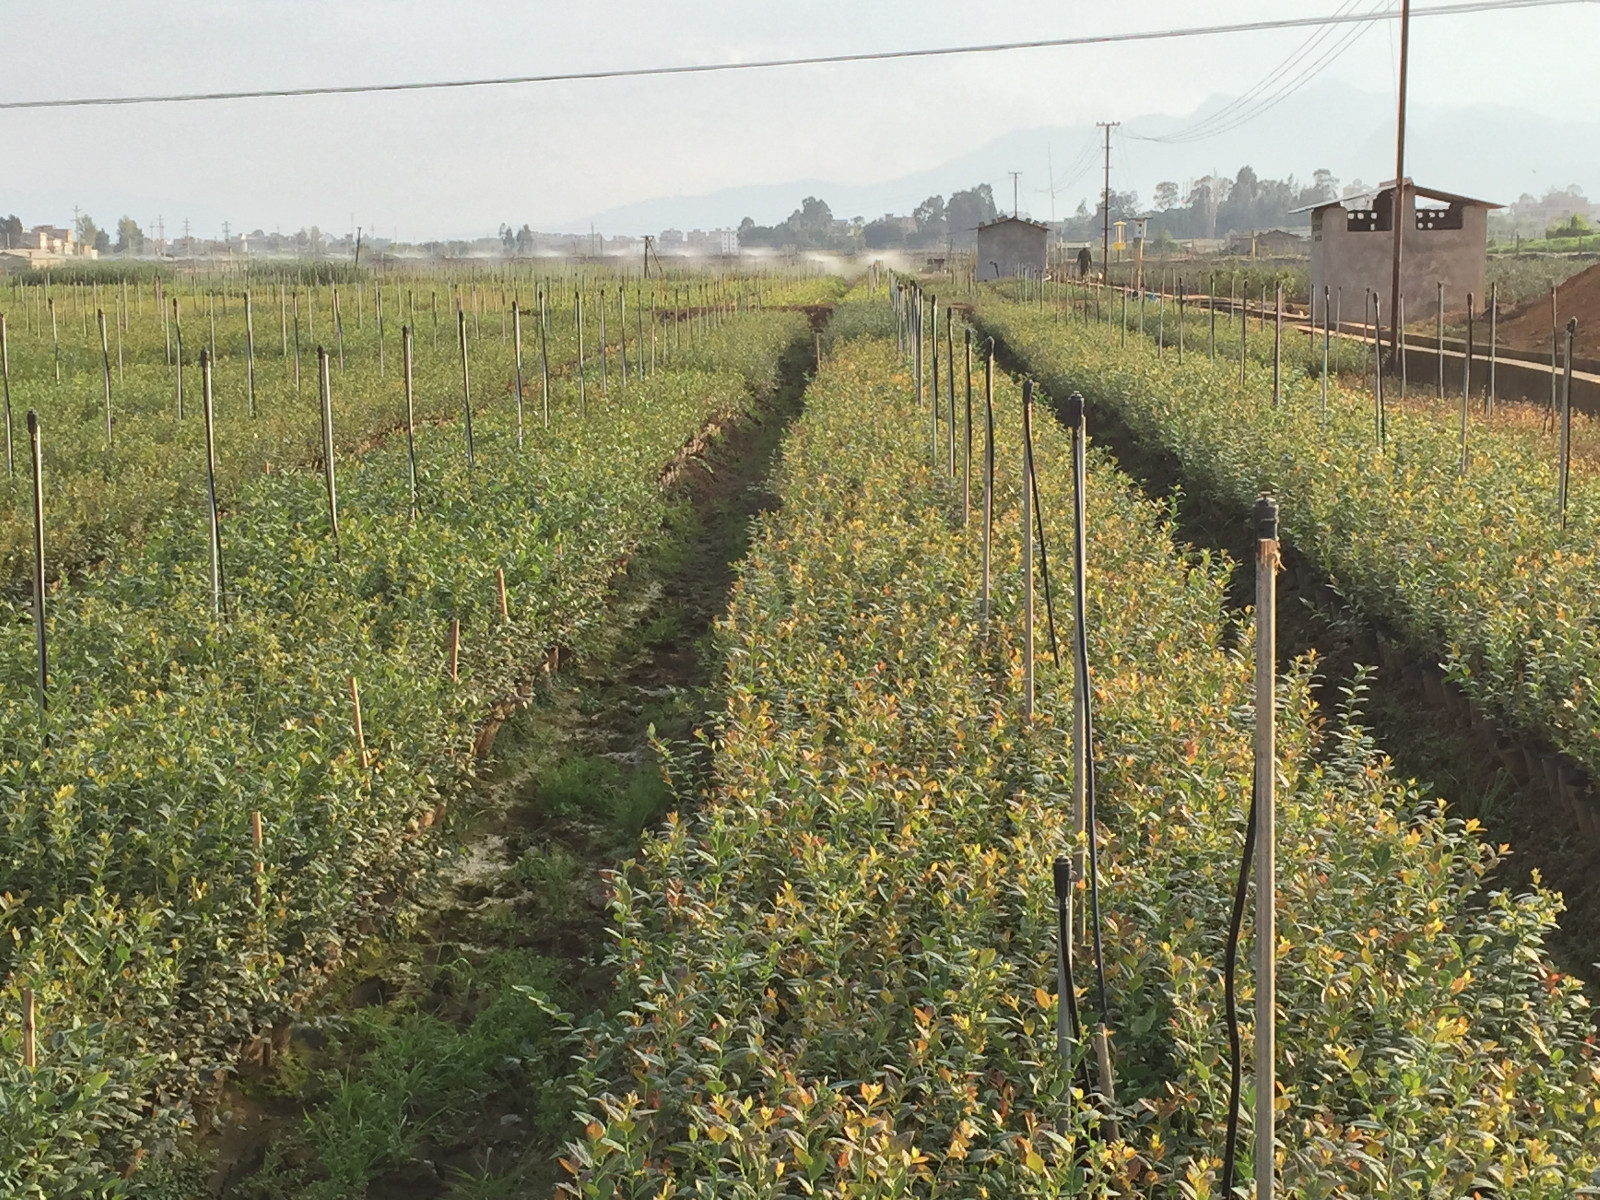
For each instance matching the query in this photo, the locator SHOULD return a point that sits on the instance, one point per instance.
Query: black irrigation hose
(1230, 965)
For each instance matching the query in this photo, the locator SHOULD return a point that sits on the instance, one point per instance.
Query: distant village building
(1012, 246)
(1444, 240)
(44, 246)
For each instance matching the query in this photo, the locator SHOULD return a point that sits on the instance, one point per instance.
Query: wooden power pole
(1399, 203)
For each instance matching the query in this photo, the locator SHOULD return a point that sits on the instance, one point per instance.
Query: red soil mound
(1527, 327)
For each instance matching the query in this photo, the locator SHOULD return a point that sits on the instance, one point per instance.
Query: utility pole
(1015, 211)
(1398, 208)
(1105, 228)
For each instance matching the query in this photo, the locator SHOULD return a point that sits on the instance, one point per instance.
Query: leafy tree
(886, 233)
(88, 232)
(130, 238)
(931, 223)
(11, 231)
(1166, 195)
(810, 226)
(966, 210)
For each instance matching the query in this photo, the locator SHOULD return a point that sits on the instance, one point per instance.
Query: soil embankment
(1528, 326)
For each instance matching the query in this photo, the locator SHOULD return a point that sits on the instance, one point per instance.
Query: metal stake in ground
(988, 481)
(327, 446)
(1027, 551)
(411, 416)
(1439, 319)
(950, 381)
(1277, 349)
(966, 457)
(1325, 343)
(5, 376)
(177, 331)
(1266, 837)
(1076, 426)
(1566, 421)
(1466, 385)
(1494, 320)
(516, 334)
(466, 382)
(933, 429)
(219, 604)
(249, 355)
(40, 647)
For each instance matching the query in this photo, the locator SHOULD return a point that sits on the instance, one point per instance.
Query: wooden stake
(30, 1056)
(455, 649)
(500, 580)
(256, 842)
(355, 707)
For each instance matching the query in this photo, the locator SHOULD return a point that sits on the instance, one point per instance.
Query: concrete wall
(1356, 260)
(1010, 248)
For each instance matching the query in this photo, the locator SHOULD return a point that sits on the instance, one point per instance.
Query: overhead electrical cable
(1105, 39)
(1266, 92)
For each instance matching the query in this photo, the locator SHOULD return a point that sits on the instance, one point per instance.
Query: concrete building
(1444, 240)
(1012, 246)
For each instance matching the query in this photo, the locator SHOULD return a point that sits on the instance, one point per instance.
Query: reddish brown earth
(1527, 327)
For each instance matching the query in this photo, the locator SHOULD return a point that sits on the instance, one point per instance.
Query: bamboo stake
(500, 583)
(466, 384)
(326, 390)
(218, 600)
(355, 708)
(105, 368)
(256, 842)
(30, 1054)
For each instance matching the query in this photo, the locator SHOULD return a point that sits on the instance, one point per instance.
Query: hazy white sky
(459, 163)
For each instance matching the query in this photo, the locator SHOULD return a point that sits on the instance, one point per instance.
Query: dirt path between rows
(579, 779)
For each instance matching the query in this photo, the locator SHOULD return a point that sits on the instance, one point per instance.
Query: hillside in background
(1494, 152)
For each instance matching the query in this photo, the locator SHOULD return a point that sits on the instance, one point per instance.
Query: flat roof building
(1444, 242)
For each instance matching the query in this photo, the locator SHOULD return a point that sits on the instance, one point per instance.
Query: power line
(1148, 35)
(1245, 107)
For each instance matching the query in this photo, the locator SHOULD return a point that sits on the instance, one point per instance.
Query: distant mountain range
(1496, 153)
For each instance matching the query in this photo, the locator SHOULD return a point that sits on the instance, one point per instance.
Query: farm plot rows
(154, 929)
(112, 485)
(838, 973)
(1473, 569)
